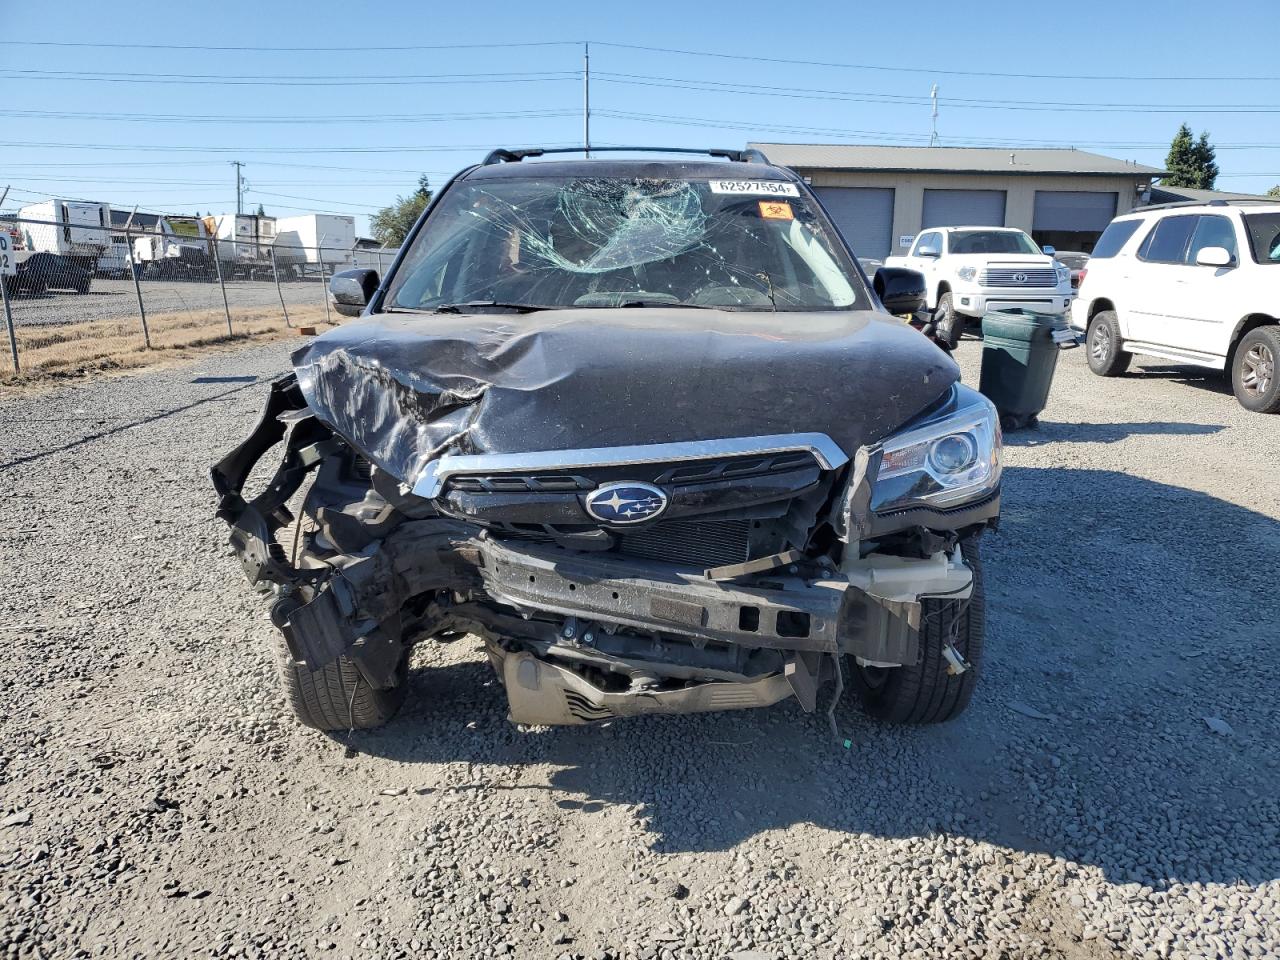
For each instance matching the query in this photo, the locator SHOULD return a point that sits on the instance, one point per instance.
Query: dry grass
(52, 354)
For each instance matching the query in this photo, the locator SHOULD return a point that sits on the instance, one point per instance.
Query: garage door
(863, 215)
(1073, 210)
(963, 208)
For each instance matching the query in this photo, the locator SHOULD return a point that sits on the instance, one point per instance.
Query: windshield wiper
(668, 304)
(490, 304)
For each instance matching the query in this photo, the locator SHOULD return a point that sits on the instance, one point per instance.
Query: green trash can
(1019, 356)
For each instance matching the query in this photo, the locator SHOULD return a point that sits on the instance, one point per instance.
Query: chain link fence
(86, 295)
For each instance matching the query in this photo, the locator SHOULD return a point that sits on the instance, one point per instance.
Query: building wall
(1020, 191)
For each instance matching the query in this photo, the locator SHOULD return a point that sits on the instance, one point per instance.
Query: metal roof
(1162, 194)
(993, 160)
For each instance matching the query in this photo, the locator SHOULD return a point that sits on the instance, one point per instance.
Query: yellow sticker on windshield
(776, 210)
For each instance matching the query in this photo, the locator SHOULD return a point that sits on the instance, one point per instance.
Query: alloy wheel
(1100, 343)
(1257, 369)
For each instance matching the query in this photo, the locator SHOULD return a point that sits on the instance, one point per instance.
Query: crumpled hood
(406, 388)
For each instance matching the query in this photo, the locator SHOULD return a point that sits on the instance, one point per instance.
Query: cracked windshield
(615, 242)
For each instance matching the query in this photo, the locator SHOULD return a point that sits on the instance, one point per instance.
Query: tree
(1274, 191)
(261, 212)
(392, 224)
(1191, 162)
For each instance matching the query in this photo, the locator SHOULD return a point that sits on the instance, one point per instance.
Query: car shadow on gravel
(1117, 622)
(1213, 381)
(1060, 432)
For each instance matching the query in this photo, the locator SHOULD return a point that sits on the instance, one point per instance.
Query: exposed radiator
(703, 543)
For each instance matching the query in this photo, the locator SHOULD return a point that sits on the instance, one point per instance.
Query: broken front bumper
(872, 612)
(731, 637)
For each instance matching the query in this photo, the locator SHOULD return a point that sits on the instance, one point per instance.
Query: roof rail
(1216, 202)
(501, 155)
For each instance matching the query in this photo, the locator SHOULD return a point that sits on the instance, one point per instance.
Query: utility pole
(586, 99)
(933, 135)
(239, 187)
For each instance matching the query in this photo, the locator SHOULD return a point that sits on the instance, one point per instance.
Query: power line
(857, 134)
(277, 121)
(324, 80)
(210, 163)
(289, 196)
(740, 57)
(452, 148)
(836, 96)
(918, 70)
(381, 48)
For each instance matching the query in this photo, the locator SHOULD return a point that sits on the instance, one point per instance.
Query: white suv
(970, 270)
(1195, 283)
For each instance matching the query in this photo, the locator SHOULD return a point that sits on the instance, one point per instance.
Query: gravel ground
(118, 300)
(156, 801)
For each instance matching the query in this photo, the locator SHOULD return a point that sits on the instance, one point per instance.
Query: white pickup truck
(970, 270)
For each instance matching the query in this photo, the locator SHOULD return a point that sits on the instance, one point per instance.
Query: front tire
(338, 697)
(1107, 356)
(1253, 370)
(925, 692)
(947, 324)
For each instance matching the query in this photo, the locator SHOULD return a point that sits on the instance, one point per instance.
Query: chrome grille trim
(1004, 277)
(432, 479)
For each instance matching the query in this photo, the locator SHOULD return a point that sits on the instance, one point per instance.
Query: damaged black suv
(644, 427)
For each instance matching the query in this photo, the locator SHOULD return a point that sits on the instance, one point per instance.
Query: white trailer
(376, 258)
(302, 241)
(67, 228)
(244, 242)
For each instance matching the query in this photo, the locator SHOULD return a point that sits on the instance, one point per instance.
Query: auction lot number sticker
(756, 188)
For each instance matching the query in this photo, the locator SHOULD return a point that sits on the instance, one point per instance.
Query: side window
(1213, 231)
(1114, 237)
(1167, 243)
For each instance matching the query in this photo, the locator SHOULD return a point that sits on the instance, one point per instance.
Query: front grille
(702, 543)
(1005, 277)
(663, 474)
(521, 483)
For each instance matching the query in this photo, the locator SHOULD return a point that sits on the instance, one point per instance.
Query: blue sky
(345, 130)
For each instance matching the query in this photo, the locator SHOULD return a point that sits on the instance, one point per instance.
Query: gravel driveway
(156, 801)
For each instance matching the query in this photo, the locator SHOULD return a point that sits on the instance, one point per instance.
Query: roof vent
(1011, 159)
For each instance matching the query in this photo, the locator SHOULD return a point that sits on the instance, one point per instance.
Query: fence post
(276, 274)
(8, 320)
(324, 284)
(217, 262)
(137, 286)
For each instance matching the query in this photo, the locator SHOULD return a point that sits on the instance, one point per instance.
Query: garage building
(881, 197)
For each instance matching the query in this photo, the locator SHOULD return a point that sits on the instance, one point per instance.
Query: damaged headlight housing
(949, 461)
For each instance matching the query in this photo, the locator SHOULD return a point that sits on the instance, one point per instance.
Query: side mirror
(928, 250)
(351, 290)
(1214, 257)
(900, 290)
(1048, 250)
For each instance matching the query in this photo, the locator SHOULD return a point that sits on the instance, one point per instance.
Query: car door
(1150, 299)
(927, 265)
(1210, 296)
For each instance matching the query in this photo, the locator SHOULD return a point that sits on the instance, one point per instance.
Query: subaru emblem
(1019, 278)
(626, 502)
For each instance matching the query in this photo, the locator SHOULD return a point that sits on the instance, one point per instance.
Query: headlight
(941, 464)
(1063, 274)
(967, 273)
